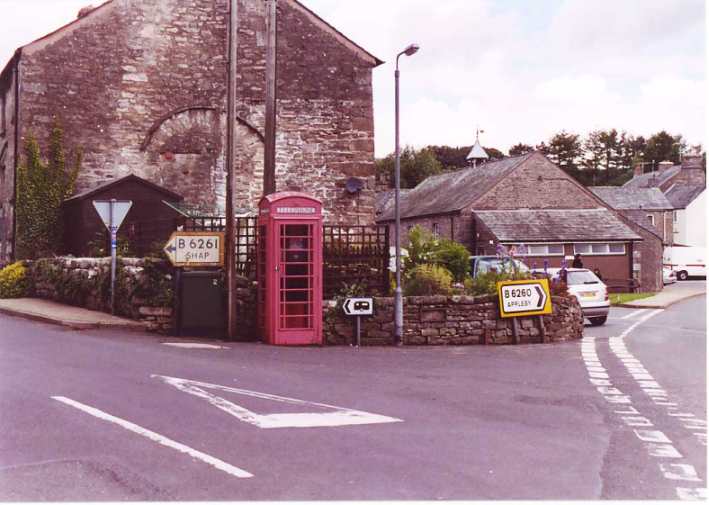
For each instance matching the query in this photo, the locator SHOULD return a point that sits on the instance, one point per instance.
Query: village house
(529, 200)
(141, 85)
(684, 187)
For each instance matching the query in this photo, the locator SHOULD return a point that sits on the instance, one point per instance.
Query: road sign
(529, 297)
(196, 249)
(359, 306)
(120, 211)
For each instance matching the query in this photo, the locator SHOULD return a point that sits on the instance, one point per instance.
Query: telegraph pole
(269, 157)
(230, 242)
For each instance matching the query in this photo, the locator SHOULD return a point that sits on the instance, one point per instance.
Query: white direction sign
(195, 248)
(524, 298)
(359, 306)
(120, 211)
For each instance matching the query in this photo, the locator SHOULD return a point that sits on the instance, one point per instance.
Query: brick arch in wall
(186, 149)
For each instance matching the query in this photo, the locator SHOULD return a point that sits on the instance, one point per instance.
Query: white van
(686, 261)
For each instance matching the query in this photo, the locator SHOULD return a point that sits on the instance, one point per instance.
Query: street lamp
(398, 299)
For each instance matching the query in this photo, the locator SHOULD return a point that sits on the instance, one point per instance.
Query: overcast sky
(519, 69)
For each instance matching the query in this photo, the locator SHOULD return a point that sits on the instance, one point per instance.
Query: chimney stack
(664, 165)
(85, 11)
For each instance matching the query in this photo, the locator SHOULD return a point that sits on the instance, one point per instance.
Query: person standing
(577, 262)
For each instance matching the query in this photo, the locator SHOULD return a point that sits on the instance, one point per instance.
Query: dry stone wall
(456, 320)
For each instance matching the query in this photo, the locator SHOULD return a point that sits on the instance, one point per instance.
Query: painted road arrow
(524, 298)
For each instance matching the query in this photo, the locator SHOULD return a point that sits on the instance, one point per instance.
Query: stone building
(528, 200)
(141, 86)
(684, 186)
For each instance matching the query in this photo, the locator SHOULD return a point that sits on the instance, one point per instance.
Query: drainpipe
(18, 61)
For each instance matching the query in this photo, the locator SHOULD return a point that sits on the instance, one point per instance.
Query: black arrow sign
(347, 306)
(542, 298)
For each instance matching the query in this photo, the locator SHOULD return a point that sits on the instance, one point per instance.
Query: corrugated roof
(652, 179)
(681, 195)
(564, 225)
(453, 191)
(623, 198)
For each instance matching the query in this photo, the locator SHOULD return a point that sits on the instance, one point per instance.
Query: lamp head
(412, 49)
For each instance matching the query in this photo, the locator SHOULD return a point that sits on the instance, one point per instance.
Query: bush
(426, 280)
(455, 257)
(426, 249)
(486, 283)
(13, 281)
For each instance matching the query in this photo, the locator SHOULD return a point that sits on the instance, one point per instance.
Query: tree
(519, 149)
(663, 147)
(415, 167)
(565, 150)
(453, 158)
(494, 154)
(41, 189)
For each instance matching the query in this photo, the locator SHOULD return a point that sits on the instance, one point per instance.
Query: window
(675, 216)
(597, 248)
(436, 229)
(536, 249)
(651, 218)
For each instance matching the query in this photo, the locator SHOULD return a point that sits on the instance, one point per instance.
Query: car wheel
(598, 321)
(683, 276)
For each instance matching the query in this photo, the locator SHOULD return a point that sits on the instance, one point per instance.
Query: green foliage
(520, 149)
(426, 280)
(415, 167)
(486, 283)
(13, 281)
(99, 247)
(426, 249)
(41, 189)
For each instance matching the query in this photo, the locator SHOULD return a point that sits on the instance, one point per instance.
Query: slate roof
(652, 179)
(623, 198)
(682, 195)
(384, 200)
(453, 191)
(563, 225)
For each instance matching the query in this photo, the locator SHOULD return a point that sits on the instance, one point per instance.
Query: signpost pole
(357, 330)
(113, 231)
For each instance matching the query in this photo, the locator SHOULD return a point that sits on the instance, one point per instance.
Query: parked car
(483, 264)
(588, 289)
(668, 275)
(685, 261)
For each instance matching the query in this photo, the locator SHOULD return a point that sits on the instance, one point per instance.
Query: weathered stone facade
(456, 320)
(140, 85)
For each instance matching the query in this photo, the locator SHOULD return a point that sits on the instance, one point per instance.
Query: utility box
(290, 269)
(202, 310)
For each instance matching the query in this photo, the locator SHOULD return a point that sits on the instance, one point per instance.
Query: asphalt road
(99, 415)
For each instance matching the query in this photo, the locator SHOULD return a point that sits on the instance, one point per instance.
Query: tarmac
(83, 319)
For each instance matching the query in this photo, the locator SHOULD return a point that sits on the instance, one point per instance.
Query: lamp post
(398, 298)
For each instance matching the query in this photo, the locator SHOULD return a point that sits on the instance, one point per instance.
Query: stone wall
(456, 320)
(144, 287)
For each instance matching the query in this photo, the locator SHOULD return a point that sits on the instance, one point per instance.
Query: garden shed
(148, 224)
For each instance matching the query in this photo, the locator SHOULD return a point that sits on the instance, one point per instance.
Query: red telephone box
(290, 269)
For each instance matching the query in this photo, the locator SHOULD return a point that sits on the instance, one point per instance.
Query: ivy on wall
(42, 186)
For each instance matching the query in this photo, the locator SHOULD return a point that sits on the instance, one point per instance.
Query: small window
(536, 249)
(436, 229)
(651, 218)
(617, 248)
(598, 248)
(582, 248)
(675, 216)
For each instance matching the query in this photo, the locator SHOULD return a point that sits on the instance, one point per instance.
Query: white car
(668, 276)
(588, 289)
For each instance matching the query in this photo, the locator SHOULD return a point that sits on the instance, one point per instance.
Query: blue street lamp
(398, 299)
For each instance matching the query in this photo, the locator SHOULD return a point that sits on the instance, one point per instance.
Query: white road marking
(193, 345)
(652, 436)
(679, 471)
(636, 421)
(156, 437)
(339, 417)
(633, 314)
(663, 451)
(699, 493)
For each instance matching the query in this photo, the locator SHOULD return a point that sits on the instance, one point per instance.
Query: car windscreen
(582, 277)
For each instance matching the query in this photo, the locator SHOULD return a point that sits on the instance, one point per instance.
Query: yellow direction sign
(530, 297)
(196, 249)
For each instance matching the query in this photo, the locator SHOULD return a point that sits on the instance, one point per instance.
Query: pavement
(671, 294)
(65, 315)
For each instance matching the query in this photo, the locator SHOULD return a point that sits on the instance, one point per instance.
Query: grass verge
(619, 298)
